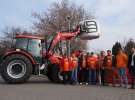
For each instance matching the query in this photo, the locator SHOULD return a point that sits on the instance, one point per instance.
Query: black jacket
(130, 67)
(130, 60)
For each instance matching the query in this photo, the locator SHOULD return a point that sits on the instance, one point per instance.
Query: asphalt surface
(40, 88)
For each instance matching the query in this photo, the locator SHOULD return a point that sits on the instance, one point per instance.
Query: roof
(28, 36)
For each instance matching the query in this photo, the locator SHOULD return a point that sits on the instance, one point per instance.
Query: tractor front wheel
(54, 73)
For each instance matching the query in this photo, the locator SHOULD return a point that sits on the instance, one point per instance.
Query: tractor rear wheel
(54, 73)
(16, 69)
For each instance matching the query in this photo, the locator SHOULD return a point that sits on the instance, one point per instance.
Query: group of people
(103, 69)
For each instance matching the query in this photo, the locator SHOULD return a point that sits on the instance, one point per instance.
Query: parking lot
(40, 88)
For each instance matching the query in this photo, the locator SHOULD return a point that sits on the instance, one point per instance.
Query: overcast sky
(116, 17)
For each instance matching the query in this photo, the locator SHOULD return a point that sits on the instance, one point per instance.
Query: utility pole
(68, 42)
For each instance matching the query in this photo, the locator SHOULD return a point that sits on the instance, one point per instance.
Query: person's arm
(87, 63)
(79, 63)
(104, 61)
(113, 61)
(134, 60)
(61, 65)
(76, 62)
(125, 58)
(129, 61)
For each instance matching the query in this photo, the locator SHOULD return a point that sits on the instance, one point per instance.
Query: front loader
(29, 56)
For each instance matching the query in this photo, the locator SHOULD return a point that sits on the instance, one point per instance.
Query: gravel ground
(40, 88)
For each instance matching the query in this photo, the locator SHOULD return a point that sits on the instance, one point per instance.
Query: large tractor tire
(49, 73)
(16, 69)
(54, 73)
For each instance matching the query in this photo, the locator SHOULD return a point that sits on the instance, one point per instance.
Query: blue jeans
(123, 76)
(92, 76)
(74, 75)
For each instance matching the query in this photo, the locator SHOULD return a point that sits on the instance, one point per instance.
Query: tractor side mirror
(89, 29)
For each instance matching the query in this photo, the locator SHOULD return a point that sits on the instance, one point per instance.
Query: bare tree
(126, 46)
(129, 44)
(9, 34)
(58, 18)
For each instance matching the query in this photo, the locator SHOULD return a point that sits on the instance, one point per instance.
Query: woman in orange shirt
(121, 63)
(74, 68)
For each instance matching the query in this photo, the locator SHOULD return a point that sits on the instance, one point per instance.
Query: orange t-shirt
(65, 64)
(92, 62)
(75, 62)
(122, 60)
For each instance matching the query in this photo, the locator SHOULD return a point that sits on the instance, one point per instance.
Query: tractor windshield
(21, 43)
(35, 47)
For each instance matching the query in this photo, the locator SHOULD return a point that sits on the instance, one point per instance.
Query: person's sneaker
(86, 83)
(80, 83)
(110, 85)
(117, 85)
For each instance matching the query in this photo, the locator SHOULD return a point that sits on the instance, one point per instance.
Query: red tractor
(31, 55)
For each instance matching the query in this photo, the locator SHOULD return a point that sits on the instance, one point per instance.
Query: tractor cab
(31, 44)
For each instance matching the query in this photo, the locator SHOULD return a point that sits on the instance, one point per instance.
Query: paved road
(39, 88)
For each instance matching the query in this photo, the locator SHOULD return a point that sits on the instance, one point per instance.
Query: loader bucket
(89, 30)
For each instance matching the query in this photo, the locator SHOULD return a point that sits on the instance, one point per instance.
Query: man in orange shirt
(64, 67)
(121, 64)
(92, 63)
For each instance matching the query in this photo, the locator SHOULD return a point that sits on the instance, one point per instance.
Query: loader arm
(62, 36)
(86, 30)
